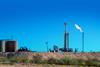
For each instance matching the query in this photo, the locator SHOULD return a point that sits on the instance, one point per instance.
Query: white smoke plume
(78, 27)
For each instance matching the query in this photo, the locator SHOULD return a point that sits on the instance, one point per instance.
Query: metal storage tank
(8, 45)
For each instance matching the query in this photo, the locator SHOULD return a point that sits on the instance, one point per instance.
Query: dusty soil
(34, 65)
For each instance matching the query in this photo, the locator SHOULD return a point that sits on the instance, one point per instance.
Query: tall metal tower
(66, 39)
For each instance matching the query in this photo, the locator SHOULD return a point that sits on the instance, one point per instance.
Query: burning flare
(78, 27)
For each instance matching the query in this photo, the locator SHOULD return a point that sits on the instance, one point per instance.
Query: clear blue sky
(33, 22)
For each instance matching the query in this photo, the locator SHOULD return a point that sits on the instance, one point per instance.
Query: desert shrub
(53, 60)
(89, 63)
(68, 61)
(92, 63)
(10, 55)
(25, 60)
(80, 62)
(63, 61)
(37, 59)
(22, 60)
(19, 59)
(12, 60)
(74, 62)
(2, 59)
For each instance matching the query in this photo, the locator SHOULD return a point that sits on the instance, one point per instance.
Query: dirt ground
(34, 65)
(39, 65)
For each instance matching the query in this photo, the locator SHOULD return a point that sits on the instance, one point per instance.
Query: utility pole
(47, 46)
(80, 29)
(82, 41)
